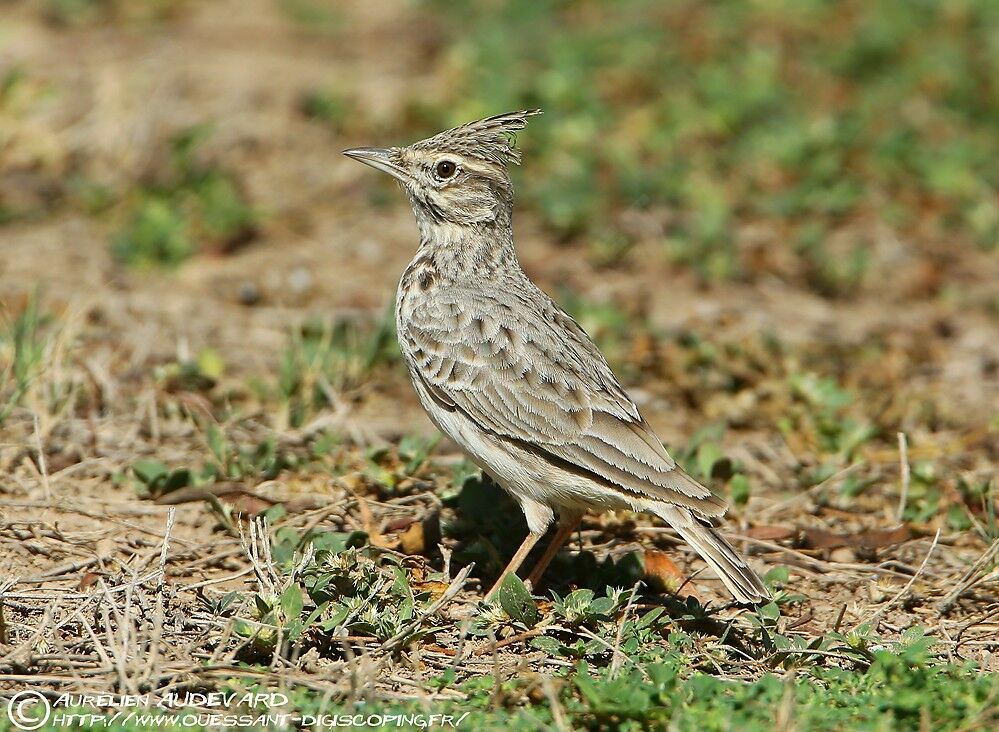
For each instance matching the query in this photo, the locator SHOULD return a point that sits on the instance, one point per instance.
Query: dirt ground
(74, 537)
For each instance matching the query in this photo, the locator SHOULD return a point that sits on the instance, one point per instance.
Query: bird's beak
(378, 157)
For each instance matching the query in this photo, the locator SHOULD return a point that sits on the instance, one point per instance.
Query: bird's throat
(460, 251)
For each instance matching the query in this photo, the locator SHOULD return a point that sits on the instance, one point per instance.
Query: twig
(253, 547)
(32, 643)
(453, 589)
(558, 716)
(884, 608)
(906, 473)
(813, 564)
(171, 517)
(118, 647)
(54, 573)
(617, 657)
(968, 579)
(98, 645)
(157, 633)
(776, 508)
(839, 618)
(593, 636)
(218, 580)
(42, 467)
(527, 635)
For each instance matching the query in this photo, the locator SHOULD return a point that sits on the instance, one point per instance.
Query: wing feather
(536, 378)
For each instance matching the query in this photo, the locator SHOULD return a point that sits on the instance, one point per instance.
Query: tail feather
(741, 581)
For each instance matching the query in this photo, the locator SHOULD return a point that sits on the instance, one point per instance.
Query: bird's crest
(489, 139)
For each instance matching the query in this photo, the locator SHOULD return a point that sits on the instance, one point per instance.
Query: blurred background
(779, 218)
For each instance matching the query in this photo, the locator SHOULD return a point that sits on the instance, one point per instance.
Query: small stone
(843, 554)
(876, 591)
(300, 280)
(249, 294)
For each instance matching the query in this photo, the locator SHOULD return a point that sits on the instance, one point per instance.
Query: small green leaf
(325, 444)
(177, 479)
(517, 602)
(275, 513)
(314, 615)
(294, 629)
(225, 602)
(777, 575)
(739, 489)
(650, 617)
(244, 629)
(210, 363)
(340, 613)
(338, 541)
(707, 455)
(217, 444)
(549, 645)
(291, 601)
(770, 611)
(149, 471)
(263, 606)
(602, 606)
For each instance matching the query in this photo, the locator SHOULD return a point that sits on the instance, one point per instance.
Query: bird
(511, 377)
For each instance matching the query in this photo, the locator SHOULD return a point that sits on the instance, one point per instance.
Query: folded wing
(541, 382)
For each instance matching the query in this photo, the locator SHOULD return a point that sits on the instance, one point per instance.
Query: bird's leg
(518, 559)
(566, 526)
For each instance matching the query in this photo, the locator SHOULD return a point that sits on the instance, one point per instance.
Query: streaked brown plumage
(512, 378)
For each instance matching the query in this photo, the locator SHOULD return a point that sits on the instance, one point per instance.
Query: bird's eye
(445, 169)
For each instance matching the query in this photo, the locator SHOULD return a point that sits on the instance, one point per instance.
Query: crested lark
(514, 380)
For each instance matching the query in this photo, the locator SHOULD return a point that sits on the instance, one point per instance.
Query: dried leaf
(822, 539)
(229, 493)
(411, 541)
(663, 575)
(770, 533)
(246, 503)
(375, 537)
(435, 588)
(400, 524)
(190, 494)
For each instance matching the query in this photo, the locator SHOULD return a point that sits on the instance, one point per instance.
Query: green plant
(200, 373)
(250, 464)
(315, 16)
(90, 12)
(323, 360)
(800, 123)
(387, 468)
(821, 414)
(325, 106)
(190, 206)
(339, 590)
(24, 349)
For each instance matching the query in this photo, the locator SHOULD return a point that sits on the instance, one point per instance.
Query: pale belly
(541, 489)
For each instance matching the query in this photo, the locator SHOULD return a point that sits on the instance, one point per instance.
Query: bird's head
(458, 176)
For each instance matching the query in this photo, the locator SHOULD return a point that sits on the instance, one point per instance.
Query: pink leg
(516, 561)
(565, 528)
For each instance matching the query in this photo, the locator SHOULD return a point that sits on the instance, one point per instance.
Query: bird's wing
(524, 370)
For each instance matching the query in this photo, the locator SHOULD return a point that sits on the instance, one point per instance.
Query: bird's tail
(741, 581)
